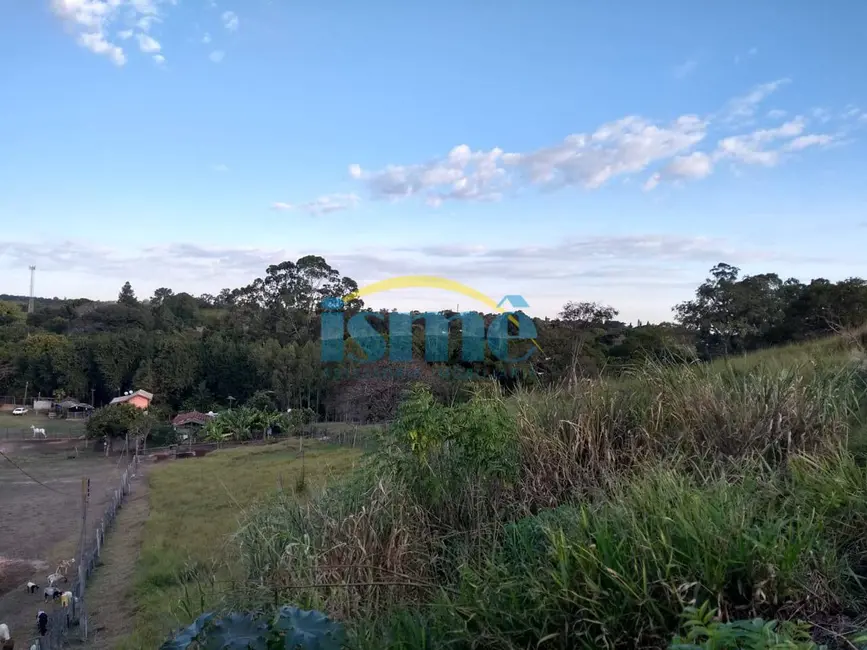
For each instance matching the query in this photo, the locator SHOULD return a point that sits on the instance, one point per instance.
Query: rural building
(190, 424)
(72, 409)
(138, 398)
(43, 404)
(190, 419)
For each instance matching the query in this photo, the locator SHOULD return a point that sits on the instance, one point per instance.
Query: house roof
(189, 418)
(125, 398)
(72, 404)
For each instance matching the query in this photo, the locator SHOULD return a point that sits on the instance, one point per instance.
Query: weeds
(588, 517)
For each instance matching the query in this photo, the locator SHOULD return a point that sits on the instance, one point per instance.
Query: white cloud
(462, 174)
(91, 20)
(621, 148)
(146, 22)
(750, 148)
(206, 38)
(159, 59)
(691, 167)
(685, 69)
(230, 20)
(216, 56)
(148, 44)
(804, 141)
(776, 114)
(96, 43)
(323, 205)
(744, 107)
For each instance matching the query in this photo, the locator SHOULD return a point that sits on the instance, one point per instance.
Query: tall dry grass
(630, 498)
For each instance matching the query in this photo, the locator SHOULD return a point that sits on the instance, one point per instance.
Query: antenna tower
(32, 280)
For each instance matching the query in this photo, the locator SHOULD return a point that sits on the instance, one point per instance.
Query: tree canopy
(260, 344)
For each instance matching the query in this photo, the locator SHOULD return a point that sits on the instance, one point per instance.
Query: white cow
(38, 430)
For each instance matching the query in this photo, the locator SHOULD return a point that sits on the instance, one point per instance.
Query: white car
(19, 411)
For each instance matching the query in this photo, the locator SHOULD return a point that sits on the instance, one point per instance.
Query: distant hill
(38, 300)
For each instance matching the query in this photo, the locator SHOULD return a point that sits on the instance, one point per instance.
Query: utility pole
(92, 393)
(30, 304)
(82, 571)
(26, 386)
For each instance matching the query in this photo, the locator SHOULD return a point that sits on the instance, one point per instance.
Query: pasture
(15, 427)
(41, 523)
(195, 505)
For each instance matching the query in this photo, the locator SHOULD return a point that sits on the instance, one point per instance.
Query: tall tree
(127, 296)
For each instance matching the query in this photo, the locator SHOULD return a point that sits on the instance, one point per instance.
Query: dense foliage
(261, 342)
(593, 516)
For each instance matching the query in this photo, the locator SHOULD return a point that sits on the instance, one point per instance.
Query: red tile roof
(191, 417)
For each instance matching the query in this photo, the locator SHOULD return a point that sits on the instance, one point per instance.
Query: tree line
(205, 352)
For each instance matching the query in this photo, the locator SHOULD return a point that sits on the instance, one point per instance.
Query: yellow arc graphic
(429, 282)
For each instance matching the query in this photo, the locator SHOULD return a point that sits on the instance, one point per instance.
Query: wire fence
(72, 614)
(13, 434)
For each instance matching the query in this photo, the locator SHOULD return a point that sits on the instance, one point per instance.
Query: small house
(190, 423)
(138, 398)
(71, 409)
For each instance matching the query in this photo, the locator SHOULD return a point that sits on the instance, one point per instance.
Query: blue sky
(564, 151)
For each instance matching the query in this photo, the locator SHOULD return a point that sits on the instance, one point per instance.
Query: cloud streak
(323, 205)
(674, 151)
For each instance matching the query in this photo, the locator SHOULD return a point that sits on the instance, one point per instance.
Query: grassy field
(14, 426)
(581, 518)
(195, 506)
(591, 517)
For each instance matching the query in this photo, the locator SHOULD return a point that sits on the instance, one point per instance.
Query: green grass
(195, 506)
(14, 425)
(588, 517)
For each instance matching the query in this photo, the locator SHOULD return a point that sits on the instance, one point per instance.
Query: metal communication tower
(32, 279)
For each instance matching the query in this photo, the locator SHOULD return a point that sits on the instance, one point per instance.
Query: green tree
(11, 313)
(115, 421)
(127, 296)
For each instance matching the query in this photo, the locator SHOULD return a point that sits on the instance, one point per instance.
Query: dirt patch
(109, 596)
(40, 502)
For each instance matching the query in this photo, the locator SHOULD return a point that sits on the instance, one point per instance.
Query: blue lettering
(499, 336)
(372, 342)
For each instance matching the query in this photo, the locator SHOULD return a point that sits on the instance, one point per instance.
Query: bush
(588, 517)
(113, 421)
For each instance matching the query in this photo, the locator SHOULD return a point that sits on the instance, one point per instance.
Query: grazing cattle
(38, 431)
(52, 593)
(42, 623)
(32, 586)
(65, 599)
